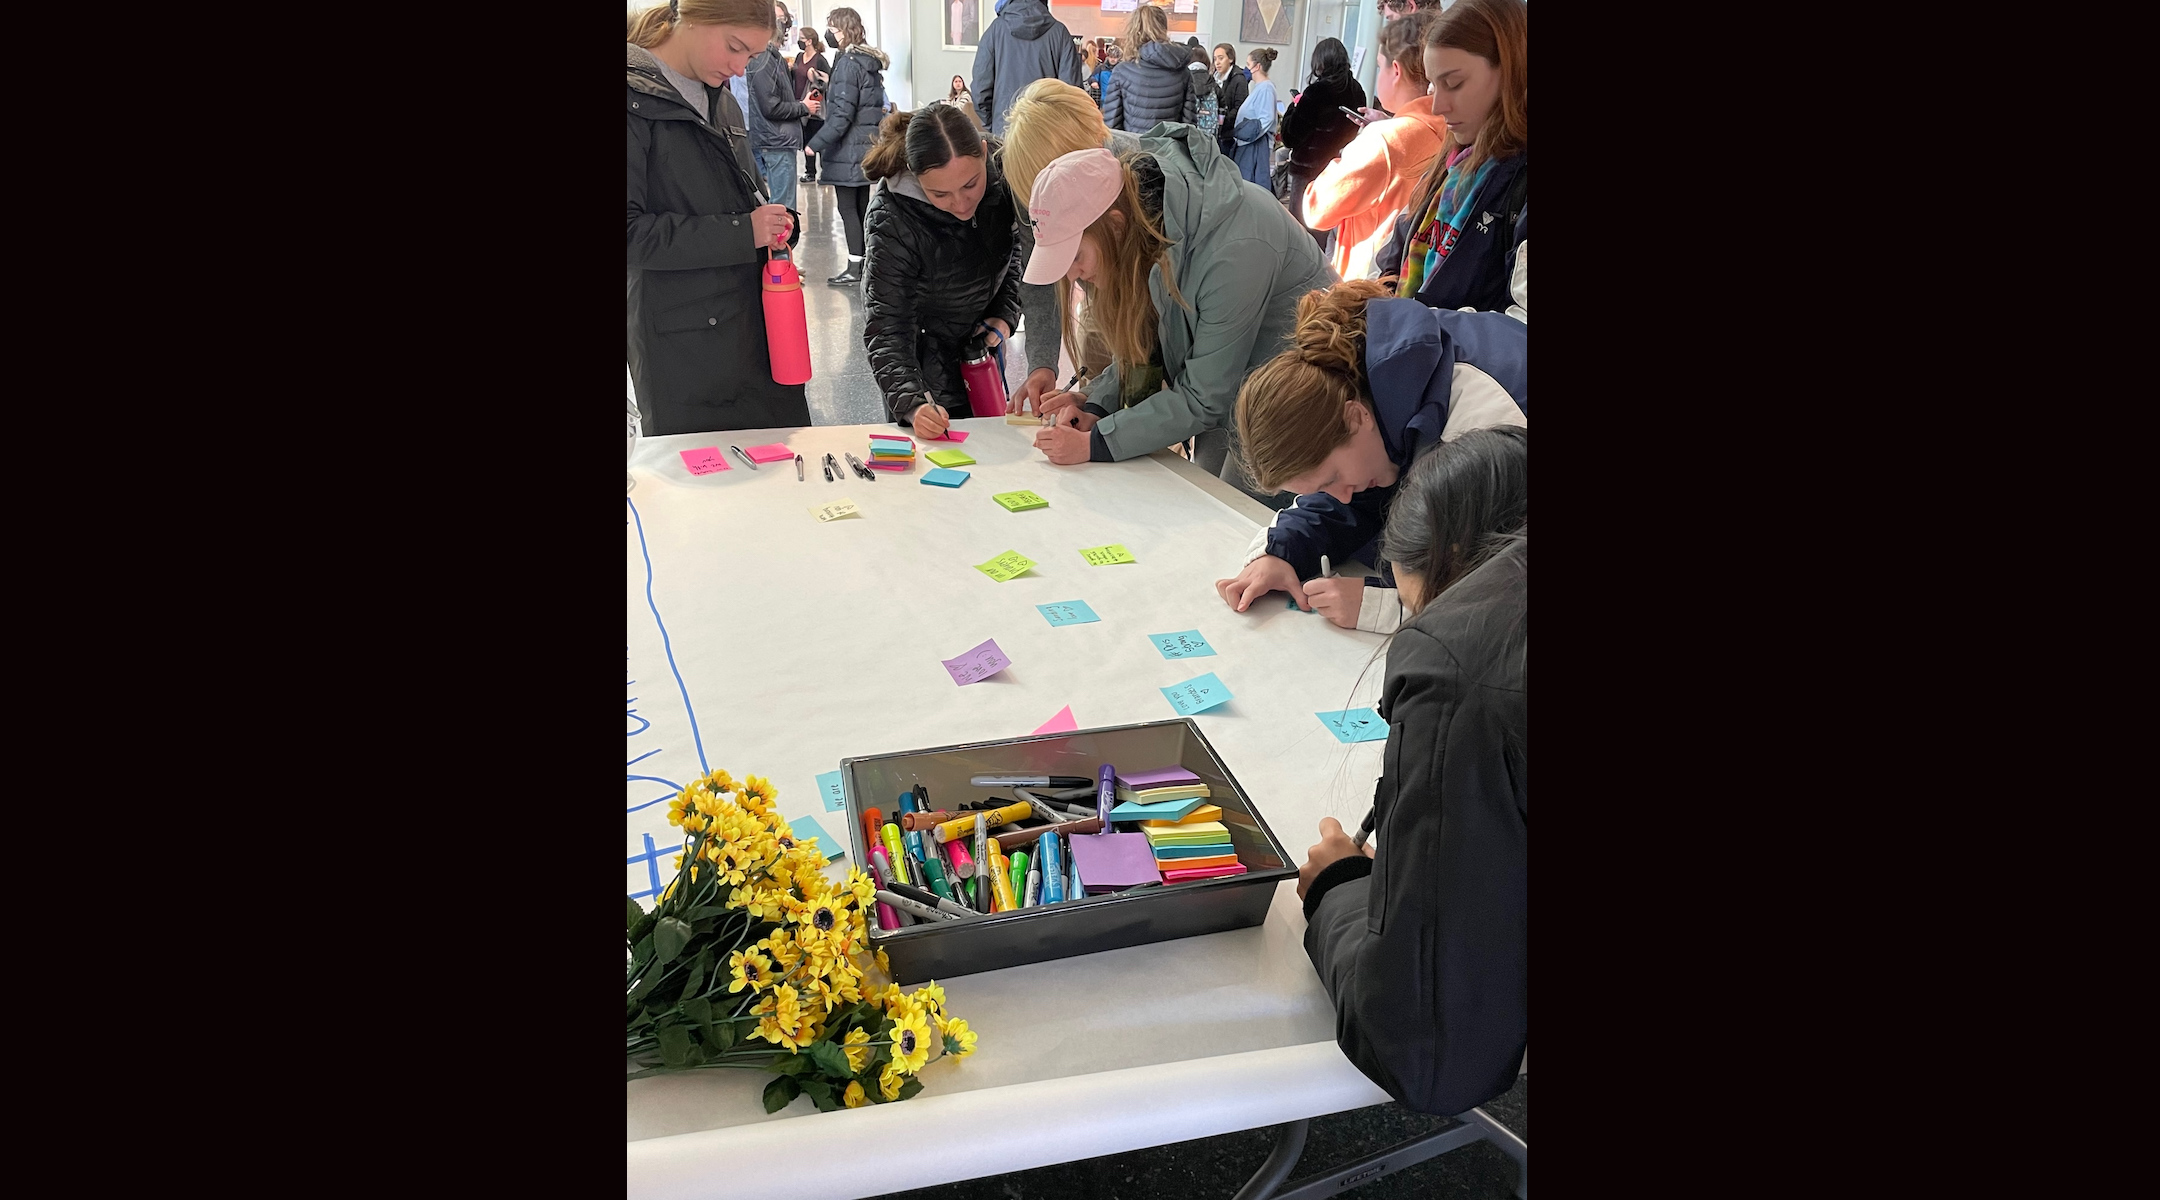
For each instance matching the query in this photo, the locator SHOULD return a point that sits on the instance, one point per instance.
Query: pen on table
(746, 458)
(798, 468)
(855, 465)
(831, 468)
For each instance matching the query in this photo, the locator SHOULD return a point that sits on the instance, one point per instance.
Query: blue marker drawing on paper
(1196, 695)
(1067, 612)
(1354, 725)
(1188, 644)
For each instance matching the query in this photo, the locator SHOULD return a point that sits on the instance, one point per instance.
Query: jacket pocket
(719, 309)
(1384, 797)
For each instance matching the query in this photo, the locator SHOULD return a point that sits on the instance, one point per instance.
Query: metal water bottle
(985, 380)
(787, 328)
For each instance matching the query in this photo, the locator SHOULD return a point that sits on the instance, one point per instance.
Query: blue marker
(912, 838)
(1074, 890)
(1053, 868)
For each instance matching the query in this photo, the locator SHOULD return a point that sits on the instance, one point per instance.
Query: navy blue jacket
(1476, 272)
(1410, 356)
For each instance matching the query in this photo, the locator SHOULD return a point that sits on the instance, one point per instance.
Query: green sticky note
(950, 458)
(1008, 565)
(1103, 556)
(1020, 501)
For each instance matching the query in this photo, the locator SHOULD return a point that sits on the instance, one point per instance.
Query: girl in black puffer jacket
(854, 104)
(1315, 129)
(945, 261)
(1151, 84)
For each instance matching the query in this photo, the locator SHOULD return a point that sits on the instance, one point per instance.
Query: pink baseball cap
(1072, 193)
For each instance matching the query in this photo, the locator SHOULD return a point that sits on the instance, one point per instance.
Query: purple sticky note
(1168, 776)
(1111, 861)
(978, 664)
(704, 462)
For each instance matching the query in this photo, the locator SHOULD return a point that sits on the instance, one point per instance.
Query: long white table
(766, 642)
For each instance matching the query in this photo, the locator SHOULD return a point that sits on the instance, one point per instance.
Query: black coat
(1479, 271)
(1151, 89)
(1234, 88)
(1315, 130)
(1023, 45)
(931, 277)
(854, 104)
(777, 125)
(1425, 947)
(697, 324)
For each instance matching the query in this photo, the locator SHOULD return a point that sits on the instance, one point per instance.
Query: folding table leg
(1281, 1159)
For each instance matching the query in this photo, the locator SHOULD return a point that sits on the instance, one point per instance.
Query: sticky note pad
(950, 435)
(1355, 725)
(1197, 833)
(1164, 777)
(1188, 644)
(978, 664)
(1104, 556)
(1196, 695)
(704, 462)
(1061, 723)
(944, 477)
(950, 458)
(887, 464)
(1113, 860)
(1019, 501)
(1167, 810)
(828, 786)
(1173, 854)
(1010, 565)
(805, 828)
(892, 439)
(1206, 812)
(1067, 612)
(834, 511)
(1206, 873)
(771, 452)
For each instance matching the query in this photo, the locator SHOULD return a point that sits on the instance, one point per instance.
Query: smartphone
(1351, 113)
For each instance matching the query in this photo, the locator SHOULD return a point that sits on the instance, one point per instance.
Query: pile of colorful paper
(1192, 850)
(891, 452)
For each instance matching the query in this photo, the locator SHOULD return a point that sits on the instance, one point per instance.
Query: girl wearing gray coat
(1151, 84)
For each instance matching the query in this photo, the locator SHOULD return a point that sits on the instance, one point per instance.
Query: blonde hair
(1049, 120)
(1146, 24)
(1290, 413)
(1120, 310)
(653, 26)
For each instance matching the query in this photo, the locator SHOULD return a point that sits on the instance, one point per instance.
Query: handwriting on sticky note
(1067, 612)
(834, 511)
(978, 664)
(1020, 501)
(828, 786)
(1196, 695)
(1354, 725)
(704, 462)
(1061, 723)
(1104, 556)
(1188, 644)
(1009, 565)
(774, 452)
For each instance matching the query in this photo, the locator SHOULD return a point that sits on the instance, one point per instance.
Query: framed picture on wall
(1268, 21)
(963, 23)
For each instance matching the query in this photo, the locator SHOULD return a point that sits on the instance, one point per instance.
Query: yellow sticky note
(1020, 501)
(1008, 565)
(1103, 556)
(950, 458)
(835, 510)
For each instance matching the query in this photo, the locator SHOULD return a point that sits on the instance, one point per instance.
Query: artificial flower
(857, 1050)
(854, 1095)
(931, 997)
(889, 1082)
(910, 1043)
(959, 1039)
(751, 969)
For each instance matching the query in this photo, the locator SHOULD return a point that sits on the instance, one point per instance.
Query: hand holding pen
(1334, 845)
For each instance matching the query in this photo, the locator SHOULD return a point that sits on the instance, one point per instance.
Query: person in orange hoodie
(1361, 193)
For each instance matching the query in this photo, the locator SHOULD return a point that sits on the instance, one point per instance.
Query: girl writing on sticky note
(1369, 385)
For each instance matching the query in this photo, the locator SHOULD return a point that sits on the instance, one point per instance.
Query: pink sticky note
(978, 664)
(772, 453)
(884, 465)
(704, 462)
(951, 435)
(1061, 723)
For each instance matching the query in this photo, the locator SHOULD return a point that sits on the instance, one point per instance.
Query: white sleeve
(1520, 284)
(1381, 610)
(1477, 401)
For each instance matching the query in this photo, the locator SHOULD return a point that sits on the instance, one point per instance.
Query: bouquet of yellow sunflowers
(751, 943)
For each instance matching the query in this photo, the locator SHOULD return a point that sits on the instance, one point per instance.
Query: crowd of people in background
(1323, 301)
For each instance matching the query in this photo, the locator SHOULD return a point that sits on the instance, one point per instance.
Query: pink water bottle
(787, 329)
(985, 385)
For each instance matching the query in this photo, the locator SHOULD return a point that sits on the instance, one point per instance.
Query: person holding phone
(808, 71)
(1315, 129)
(1360, 194)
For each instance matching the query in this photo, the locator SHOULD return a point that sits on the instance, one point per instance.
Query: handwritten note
(775, 452)
(1020, 501)
(1061, 723)
(978, 664)
(1105, 556)
(944, 477)
(1196, 695)
(704, 462)
(1067, 612)
(1009, 565)
(828, 786)
(1355, 725)
(1188, 644)
(834, 511)
(950, 458)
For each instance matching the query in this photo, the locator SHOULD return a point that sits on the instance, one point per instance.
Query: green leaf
(674, 1045)
(647, 984)
(780, 1093)
(723, 1034)
(641, 1019)
(821, 1094)
(789, 1064)
(910, 1088)
(669, 938)
(642, 954)
(697, 973)
(830, 1059)
(637, 913)
(707, 912)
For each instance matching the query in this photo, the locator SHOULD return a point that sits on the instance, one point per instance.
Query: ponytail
(1290, 413)
(651, 26)
(922, 141)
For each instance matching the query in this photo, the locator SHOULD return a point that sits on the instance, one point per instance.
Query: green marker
(1019, 872)
(936, 872)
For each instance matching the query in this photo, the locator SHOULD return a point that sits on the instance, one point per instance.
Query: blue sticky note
(828, 786)
(944, 477)
(1067, 612)
(1355, 725)
(1188, 644)
(807, 827)
(1196, 695)
(1290, 602)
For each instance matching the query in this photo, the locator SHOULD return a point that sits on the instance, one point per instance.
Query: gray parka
(1023, 45)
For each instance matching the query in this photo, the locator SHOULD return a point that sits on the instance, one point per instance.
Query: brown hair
(1228, 49)
(1497, 31)
(653, 26)
(1146, 24)
(1290, 409)
(921, 141)
(1120, 309)
(1264, 58)
(848, 24)
(1402, 43)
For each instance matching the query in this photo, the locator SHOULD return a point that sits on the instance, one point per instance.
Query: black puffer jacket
(1315, 129)
(1425, 948)
(854, 104)
(697, 331)
(1233, 90)
(931, 277)
(1151, 89)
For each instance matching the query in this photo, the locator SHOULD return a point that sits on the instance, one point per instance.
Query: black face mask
(831, 41)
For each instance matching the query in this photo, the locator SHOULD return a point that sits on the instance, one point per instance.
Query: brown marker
(1007, 841)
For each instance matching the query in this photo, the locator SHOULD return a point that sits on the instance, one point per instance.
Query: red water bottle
(985, 384)
(787, 329)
